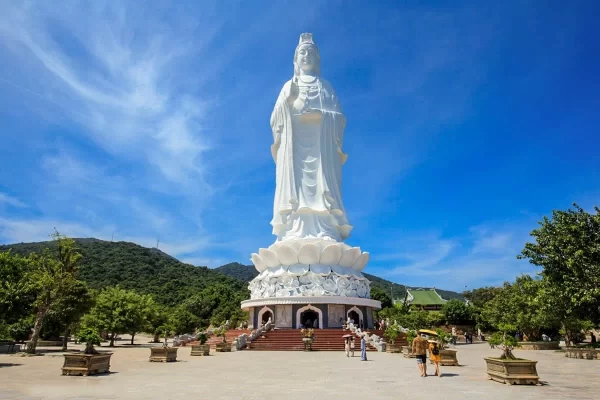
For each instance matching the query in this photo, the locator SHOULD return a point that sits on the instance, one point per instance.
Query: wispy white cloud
(11, 201)
(118, 80)
(484, 255)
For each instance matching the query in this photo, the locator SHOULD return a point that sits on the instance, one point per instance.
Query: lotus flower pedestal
(318, 275)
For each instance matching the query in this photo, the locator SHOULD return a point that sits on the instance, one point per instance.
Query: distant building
(425, 299)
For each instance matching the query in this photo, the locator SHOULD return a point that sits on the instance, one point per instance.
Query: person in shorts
(419, 349)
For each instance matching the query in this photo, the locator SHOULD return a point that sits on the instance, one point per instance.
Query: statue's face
(307, 57)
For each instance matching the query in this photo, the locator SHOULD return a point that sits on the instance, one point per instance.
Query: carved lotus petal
(318, 291)
(287, 255)
(278, 271)
(331, 254)
(360, 276)
(269, 257)
(258, 262)
(352, 293)
(309, 254)
(349, 256)
(320, 269)
(341, 271)
(354, 274)
(304, 279)
(361, 261)
(263, 274)
(298, 269)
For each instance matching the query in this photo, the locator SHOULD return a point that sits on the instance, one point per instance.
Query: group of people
(349, 346)
(420, 345)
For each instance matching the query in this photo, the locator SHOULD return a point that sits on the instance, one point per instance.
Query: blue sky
(150, 120)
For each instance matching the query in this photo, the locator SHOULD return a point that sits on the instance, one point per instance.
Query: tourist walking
(352, 346)
(363, 348)
(347, 346)
(454, 335)
(435, 356)
(419, 349)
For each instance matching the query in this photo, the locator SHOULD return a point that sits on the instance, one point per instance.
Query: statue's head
(306, 57)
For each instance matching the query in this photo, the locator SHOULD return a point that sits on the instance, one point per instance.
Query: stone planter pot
(407, 352)
(539, 346)
(86, 364)
(514, 372)
(200, 350)
(163, 354)
(393, 348)
(448, 357)
(586, 353)
(223, 347)
(307, 343)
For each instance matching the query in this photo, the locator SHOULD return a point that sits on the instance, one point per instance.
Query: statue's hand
(294, 91)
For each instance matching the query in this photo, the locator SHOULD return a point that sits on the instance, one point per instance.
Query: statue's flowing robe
(309, 159)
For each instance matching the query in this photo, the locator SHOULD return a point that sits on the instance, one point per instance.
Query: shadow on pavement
(3, 365)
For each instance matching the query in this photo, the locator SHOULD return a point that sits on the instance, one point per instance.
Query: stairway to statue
(291, 340)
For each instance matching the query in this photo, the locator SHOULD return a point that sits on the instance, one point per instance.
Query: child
(352, 346)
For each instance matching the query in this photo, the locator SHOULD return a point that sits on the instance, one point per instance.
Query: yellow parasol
(427, 331)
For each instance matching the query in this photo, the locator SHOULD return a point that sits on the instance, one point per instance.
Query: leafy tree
(382, 296)
(120, 311)
(567, 247)
(158, 318)
(478, 298)
(70, 307)
(182, 320)
(456, 312)
(16, 295)
(522, 305)
(52, 275)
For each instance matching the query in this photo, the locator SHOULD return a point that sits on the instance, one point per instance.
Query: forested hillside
(133, 267)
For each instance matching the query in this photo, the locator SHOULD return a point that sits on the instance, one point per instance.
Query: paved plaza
(292, 375)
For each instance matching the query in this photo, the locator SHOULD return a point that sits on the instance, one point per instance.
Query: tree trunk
(66, 339)
(112, 339)
(567, 335)
(132, 336)
(156, 337)
(37, 328)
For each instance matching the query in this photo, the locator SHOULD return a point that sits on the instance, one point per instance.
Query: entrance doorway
(309, 319)
(265, 317)
(354, 317)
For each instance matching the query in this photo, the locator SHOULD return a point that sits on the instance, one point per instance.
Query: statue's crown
(306, 38)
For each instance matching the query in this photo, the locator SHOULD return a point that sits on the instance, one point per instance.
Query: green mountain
(170, 281)
(145, 270)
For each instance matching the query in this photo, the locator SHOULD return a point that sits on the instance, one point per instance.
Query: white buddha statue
(308, 129)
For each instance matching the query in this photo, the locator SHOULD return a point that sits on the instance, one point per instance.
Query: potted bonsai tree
(507, 368)
(223, 346)
(201, 349)
(391, 333)
(448, 356)
(90, 361)
(164, 353)
(307, 338)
